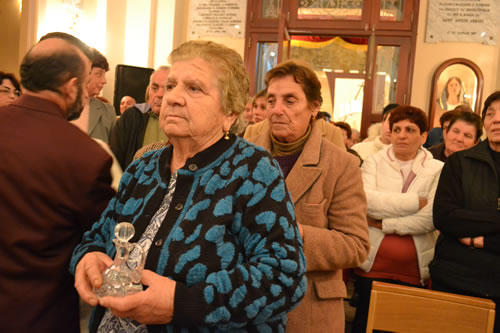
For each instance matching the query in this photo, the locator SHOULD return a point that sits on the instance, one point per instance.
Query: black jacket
(466, 205)
(127, 135)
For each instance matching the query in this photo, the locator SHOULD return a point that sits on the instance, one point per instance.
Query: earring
(226, 135)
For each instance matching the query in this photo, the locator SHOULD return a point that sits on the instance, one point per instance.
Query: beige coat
(331, 132)
(327, 190)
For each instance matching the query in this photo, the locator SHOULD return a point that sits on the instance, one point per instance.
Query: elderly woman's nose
(276, 107)
(496, 116)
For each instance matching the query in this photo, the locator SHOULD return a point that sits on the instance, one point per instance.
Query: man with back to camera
(54, 183)
(98, 117)
(139, 126)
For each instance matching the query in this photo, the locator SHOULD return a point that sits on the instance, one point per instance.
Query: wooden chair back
(397, 308)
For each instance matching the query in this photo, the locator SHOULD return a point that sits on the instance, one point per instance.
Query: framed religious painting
(456, 82)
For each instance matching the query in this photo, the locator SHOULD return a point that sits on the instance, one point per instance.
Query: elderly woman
(326, 188)
(463, 131)
(400, 182)
(212, 210)
(466, 212)
(10, 89)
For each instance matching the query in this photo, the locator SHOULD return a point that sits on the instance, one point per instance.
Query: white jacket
(399, 212)
(368, 148)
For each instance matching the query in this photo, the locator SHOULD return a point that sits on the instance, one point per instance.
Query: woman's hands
(155, 305)
(473, 241)
(88, 275)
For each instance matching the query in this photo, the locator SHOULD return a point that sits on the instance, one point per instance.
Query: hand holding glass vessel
(123, 277)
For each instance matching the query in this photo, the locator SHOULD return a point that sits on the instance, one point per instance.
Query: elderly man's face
(288, 109)
(192, 105)
(156, 89)
(125, 103)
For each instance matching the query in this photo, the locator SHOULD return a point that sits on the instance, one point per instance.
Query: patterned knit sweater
(229, 240)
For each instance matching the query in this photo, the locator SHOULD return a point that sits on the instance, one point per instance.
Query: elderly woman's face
(288, 109)
(492, 123)
(406, 139)
(461, 135)
(192, 103)
(8, 93)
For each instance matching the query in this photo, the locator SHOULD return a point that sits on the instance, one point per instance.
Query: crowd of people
(249, 211)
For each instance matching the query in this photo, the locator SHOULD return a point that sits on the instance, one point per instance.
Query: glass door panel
(391, 10)
(347, 98)
(340, 64)
(267, 58)
(394, 14)
(330, 10)
(270, 9)
(386, 77)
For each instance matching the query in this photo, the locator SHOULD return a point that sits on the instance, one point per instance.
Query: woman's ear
(315, 106)
(424, 137)
(229, 121)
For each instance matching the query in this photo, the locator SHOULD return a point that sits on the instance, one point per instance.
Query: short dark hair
(387, 110)
(491, 98)
(345, 126)
(51, 71)
(302, 74)
(99, 60)
(468, 117)
(463, 107)
(447, 116)
(410, 113)
(11, 78)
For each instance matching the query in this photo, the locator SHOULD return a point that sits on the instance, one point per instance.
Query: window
(361, 50)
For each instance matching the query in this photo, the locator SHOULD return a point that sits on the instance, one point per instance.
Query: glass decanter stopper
(123, 277)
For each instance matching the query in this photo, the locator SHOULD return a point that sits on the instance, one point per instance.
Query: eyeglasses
(7, 90)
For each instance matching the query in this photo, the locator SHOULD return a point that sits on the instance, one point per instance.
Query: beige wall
(429, 56)
(169, 28)
(10, 18)
(181, 30)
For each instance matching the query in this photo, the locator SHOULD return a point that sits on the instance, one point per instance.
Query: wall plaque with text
(217, 18)
(463, 21)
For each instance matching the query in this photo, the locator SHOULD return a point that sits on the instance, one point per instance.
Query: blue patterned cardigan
(229, 239)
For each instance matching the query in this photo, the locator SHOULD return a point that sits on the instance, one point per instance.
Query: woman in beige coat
(327, 191)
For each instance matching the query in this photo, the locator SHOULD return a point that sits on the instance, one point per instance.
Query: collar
(423, 155)
(378, 143)
(203, 159)
(143, 107)
(38, 104)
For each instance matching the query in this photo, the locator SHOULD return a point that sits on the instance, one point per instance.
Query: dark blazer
(128, 133)
(54, 183)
